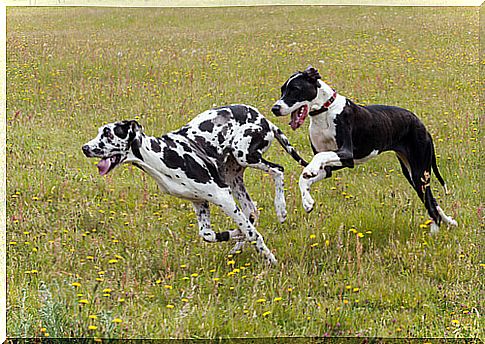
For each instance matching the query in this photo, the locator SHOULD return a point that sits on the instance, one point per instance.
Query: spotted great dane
(204, 161)
(343, 134)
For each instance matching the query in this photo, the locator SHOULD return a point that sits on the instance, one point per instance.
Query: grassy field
(112, 257)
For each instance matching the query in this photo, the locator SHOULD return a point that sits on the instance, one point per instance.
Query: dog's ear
(135, 126)
(134, 139)
(123, 128)
(312, 73)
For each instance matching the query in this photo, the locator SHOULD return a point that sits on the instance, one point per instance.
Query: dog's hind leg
(234, 177)
(236, 183)
(420, 177)
(406, 168)
(205, 231)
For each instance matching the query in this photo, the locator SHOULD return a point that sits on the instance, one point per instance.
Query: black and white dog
(343, 134)
(203, 162)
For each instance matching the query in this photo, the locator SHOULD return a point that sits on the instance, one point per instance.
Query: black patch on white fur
(220, 138)
(206, 148)
(195, 171)
(135, 147)
(224, 236)
(183, 131)
(207, 125)
(253, 116)
(239, 114)
(155, 146)
(168, 141)
(256, 145)
(172, 159)
(185, 146)
(121, 130)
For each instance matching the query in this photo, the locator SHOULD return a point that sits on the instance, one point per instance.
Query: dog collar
(325, 105)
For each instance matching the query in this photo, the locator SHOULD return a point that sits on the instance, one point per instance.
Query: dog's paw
(237, 235)
(434, 228)
(280, 208)
(271, 260)
(307, 202)
(281, 214)
(453, 222)
(449, 221)
(237, 248)
(211, 236)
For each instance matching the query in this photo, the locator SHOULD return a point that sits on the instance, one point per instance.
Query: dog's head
(113, 144)
(299, 95)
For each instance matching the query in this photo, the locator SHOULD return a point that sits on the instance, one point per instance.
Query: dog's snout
(276, 109)
(86, 150)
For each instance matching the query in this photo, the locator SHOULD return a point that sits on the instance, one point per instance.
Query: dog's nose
(86, 150)
(276, 110)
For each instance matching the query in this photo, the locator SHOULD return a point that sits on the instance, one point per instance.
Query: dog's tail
(435, 169)
(283, 140)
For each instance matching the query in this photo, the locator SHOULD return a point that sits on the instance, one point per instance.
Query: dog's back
(381, 127)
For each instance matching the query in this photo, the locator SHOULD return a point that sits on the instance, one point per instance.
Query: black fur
(360, 132)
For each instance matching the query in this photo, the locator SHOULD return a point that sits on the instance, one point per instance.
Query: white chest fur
(322, 127)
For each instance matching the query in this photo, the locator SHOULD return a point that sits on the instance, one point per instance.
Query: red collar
(325, 105)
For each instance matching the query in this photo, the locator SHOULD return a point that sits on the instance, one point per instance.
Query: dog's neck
(144, 154)
(326, 96)
(138, 148)
(323, 113)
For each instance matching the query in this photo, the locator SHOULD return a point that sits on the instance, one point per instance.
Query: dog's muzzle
(276, 109)
(87, 151)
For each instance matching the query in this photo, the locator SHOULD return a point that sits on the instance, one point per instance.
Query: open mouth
(107, 164)
(298, 117)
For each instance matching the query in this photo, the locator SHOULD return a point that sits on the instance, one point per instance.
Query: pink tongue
(297, 119)
(103, 166)
(294, 124)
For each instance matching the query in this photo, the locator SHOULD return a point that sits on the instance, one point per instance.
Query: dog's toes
(239, 238)
(434, 228)
(282, 216)
(452, 222)
(237, 248)
(271, 260)
(307, 201)
(214, 237)
(308, 205)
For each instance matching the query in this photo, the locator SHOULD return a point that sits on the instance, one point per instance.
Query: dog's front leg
(305, 184)
(318, 169)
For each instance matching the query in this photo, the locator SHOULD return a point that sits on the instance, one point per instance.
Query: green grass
(134, 254)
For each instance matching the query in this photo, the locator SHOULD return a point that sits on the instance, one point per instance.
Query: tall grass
(113, 257)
